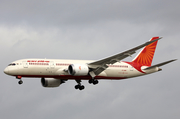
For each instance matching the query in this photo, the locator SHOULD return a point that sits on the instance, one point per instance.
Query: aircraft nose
(6, 70)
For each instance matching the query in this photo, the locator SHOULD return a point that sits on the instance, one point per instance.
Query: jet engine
(78, 69)
(51, 82)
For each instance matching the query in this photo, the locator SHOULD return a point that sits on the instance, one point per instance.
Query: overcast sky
(79, 29)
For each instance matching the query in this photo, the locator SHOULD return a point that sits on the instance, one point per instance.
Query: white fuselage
(54, 68)
(54, 72)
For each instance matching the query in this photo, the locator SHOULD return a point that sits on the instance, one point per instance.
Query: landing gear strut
(79, 86)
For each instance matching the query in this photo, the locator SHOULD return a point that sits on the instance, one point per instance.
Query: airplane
(54, 72)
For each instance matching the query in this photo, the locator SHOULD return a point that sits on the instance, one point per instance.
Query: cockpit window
(12, 64)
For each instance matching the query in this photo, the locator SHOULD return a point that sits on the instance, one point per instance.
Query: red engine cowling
(51, 82)
(78, 69)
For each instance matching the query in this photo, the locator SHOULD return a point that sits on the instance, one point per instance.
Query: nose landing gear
(20, 81)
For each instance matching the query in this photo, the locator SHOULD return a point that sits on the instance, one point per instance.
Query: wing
(98, 66)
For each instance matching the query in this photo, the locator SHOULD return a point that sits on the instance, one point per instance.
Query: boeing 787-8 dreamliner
(54, 72)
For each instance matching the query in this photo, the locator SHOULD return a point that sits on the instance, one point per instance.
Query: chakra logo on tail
(145, 57)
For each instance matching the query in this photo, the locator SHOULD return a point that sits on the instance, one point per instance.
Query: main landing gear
(93, 81)
(20, 81)
(79, 86)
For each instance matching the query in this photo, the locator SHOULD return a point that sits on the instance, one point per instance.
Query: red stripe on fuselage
(71, 77)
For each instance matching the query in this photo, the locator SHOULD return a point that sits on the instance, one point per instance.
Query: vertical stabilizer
(146, 55)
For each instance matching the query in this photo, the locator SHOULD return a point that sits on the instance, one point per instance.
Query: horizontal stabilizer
(161, 64)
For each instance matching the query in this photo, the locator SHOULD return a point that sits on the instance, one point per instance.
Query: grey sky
(89, 30)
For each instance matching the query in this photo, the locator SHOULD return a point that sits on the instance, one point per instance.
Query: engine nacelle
(50, 82)
(78, 69)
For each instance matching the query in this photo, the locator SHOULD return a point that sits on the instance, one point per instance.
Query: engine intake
(78, 69)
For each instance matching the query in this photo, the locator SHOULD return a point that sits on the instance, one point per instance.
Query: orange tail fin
(145, 57)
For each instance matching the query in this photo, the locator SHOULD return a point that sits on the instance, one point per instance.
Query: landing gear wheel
(95, 82)
(76, 86)
(81, 87)
(91, 81)
(20, 82)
